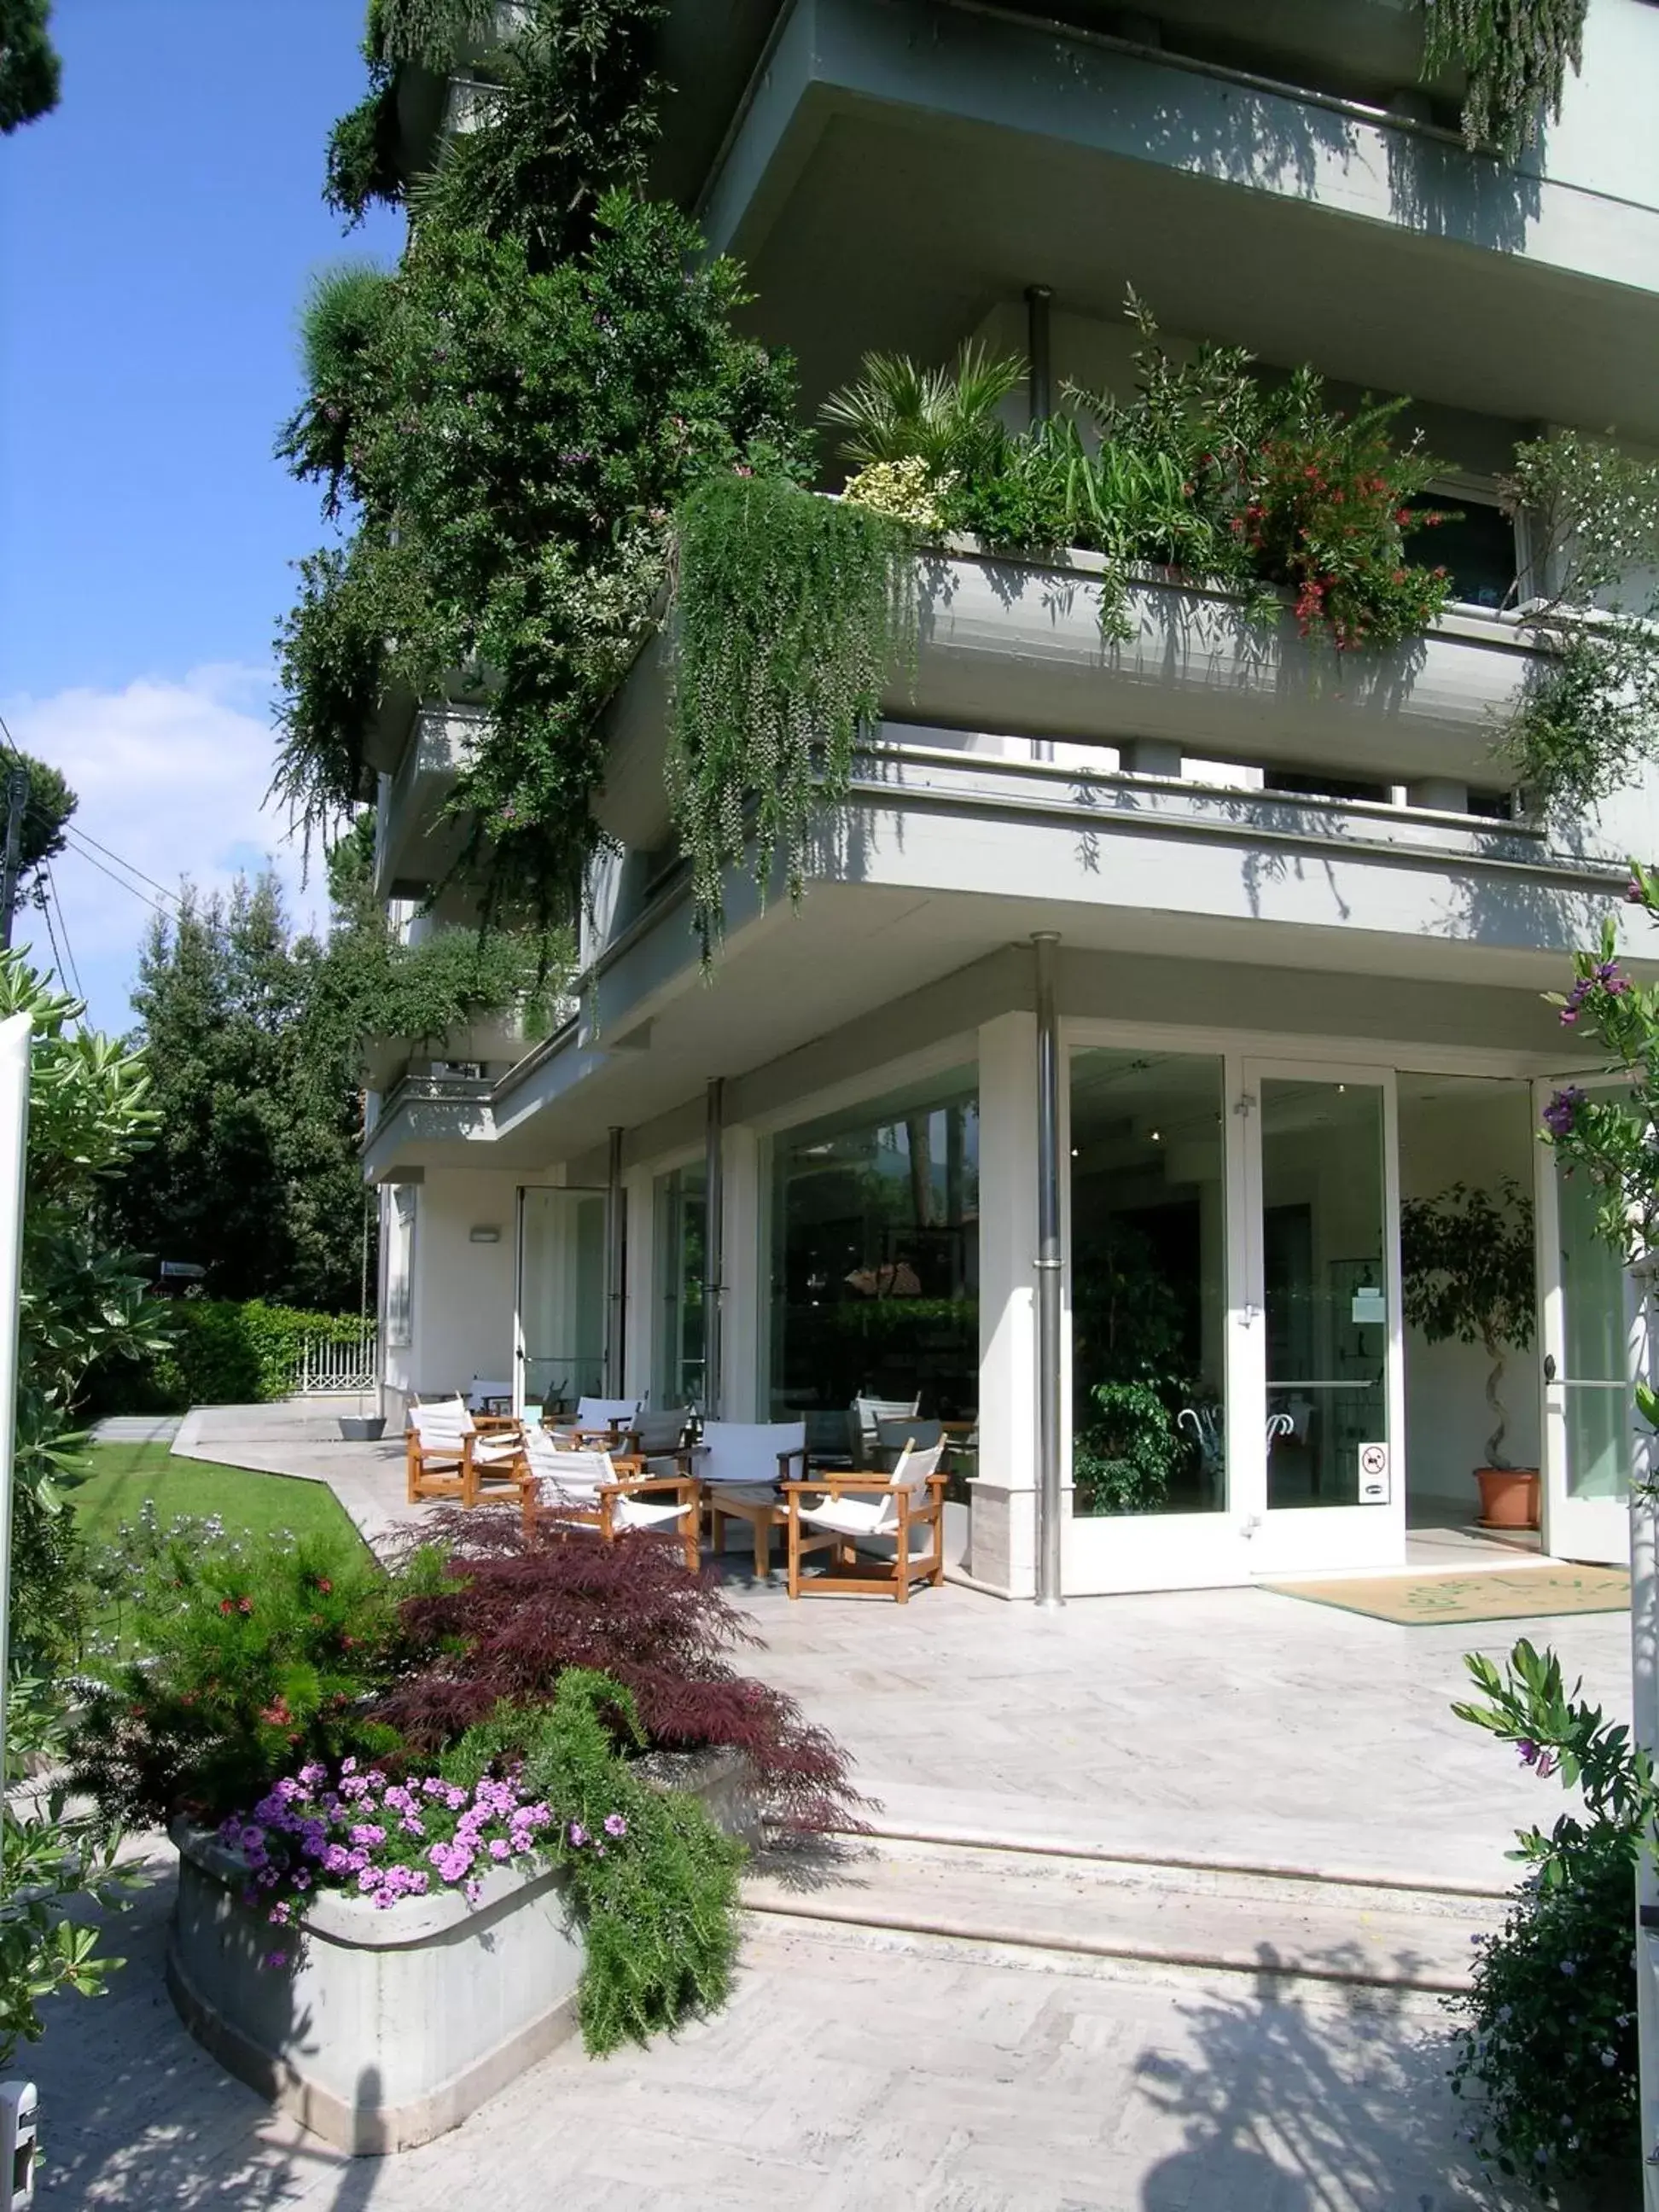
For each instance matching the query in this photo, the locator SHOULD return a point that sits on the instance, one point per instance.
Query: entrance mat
(1507, 1594)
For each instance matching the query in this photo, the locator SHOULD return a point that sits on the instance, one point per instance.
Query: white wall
(463, 1304)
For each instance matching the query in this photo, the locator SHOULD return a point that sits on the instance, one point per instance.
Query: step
(1279, 1921)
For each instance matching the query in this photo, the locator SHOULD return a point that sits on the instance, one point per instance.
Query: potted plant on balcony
(1467, 1263)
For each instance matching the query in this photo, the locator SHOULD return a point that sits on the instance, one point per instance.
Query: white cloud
(172, 777)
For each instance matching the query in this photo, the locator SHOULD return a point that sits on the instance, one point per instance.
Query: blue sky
(157, 235)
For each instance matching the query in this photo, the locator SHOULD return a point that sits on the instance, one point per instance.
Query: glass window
(875, 1260)
(400, 1266)
(1596, 1371)
(676, 1351)
(1323, 1233)
(1149, 1283)
(562, 1295)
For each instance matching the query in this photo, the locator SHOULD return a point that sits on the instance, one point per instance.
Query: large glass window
(1595, 1372)
(875, 1259)
(676, 1351)
(562, 1295)
(1149, 1283)
(1323, 1235)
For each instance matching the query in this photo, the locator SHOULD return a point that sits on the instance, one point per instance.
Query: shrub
(655, 1882)
(1548, 2045)
(256, 1657)
(226, 1353)
(514, 1612)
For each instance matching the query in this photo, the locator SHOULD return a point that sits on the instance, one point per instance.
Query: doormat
(1513, 1593)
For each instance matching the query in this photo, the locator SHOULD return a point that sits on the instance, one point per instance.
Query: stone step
(1240, 1919)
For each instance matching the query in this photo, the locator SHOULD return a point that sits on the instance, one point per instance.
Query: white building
(1291, 929)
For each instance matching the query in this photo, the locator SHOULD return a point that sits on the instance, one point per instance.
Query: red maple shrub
(516, 1610)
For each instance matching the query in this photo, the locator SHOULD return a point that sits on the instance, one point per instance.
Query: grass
(119, 1478)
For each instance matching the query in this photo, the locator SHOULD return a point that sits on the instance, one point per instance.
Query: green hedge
(224, 1354)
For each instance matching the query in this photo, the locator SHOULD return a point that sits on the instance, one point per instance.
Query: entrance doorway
(561, 1318)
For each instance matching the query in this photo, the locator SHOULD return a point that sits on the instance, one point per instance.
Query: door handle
(1549, 1367)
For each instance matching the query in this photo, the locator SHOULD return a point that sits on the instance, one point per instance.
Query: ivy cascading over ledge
(1514, 55)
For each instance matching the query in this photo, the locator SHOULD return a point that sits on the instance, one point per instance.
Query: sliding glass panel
(677, 1358)
(562, 1296)
(1324, 1234)
(1149, 1283)
(875, 1261)
(1596, 1371)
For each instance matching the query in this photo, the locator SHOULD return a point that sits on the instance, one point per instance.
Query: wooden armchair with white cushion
(584, 1489)
(447, 1453)
(601, 1422)
(884, 1531)
(742, 1466)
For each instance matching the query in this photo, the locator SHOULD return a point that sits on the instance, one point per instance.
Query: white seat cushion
(851, 1516)
(640, 1513)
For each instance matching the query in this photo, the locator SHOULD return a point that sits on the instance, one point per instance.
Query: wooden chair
(449, 1454)
(663, 1440)
(612, 1497)
(862, 1422)
(741, 1465)
(602, 1421)
(875, 1515)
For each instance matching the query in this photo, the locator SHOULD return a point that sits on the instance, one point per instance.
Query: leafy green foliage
(222, 1351)
(48, 807)
(791, 612)
(363, 163)
(1133, 1368)
(54, 1863)
(1515, 55)
(255, 1657)
(658, 1900)
(1124, 1459)
(513, 447)
(29, 67)
(1467, 1267)
(1549, 2046)
(1205, 471)
(1587, 720)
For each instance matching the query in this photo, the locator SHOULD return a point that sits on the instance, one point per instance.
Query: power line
(142, 897)
(62, 924)
(51, 937)
(85, 837)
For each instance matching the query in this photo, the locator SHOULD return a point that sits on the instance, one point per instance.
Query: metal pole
(1050, 1528)
(714, 1246)
(616, 1235)
(14, 1158)
(1038, 300)
(17, 797)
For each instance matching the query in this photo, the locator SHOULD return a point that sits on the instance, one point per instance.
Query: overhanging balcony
(1014, 648)
(415, 844)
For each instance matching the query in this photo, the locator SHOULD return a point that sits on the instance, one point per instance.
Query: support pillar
(714, 1261)
(1050, 1499)
(745, 1387)
(616, 1265)
(1002, 1551)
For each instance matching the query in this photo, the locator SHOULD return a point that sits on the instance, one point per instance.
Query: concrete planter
(362, 1428)
(387, 2027)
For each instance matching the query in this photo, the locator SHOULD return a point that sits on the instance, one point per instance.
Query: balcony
(415, 845)
(1014, 648)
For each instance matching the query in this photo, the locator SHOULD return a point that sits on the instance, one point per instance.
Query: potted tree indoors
(1466, 1266)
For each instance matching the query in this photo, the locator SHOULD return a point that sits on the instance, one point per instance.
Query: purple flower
(498, 1849)
(615, 1825)
(1529, 1751)
(1633, 893)
(276, 1958)
(578, 1834)
(1562, 1110)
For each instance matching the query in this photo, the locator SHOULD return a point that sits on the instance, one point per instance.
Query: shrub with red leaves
(518, 1609)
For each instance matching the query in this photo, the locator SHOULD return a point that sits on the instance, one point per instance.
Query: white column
(745, 1393)
(639, 1302)
(1002, 1548)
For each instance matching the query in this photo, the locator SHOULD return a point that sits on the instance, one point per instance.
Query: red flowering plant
(253, 1659)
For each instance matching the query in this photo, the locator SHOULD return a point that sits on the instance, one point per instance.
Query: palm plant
(945, 418)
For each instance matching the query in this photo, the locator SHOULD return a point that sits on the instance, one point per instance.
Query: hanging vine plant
(1515, 54)
(791, 611)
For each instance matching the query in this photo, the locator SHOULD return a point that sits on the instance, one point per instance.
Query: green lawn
(119, 1478)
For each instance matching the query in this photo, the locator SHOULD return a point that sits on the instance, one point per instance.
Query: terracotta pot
(1509, 1496)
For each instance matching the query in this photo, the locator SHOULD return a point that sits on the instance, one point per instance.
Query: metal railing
(326, 1367)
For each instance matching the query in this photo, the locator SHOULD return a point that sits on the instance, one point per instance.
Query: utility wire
(142, 895)
(62, 925)
(72, 830)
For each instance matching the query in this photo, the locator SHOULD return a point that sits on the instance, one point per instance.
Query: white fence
(324, 1369)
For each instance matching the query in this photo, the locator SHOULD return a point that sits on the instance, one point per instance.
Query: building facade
(1141, 979)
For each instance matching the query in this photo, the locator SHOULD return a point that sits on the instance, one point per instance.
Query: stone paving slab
(844, 2075)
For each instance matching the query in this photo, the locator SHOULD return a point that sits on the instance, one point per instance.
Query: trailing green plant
(30, 72)
(1547, 2047)
(1587, 719)
(252, 1657)
(654, 1881)
(1514, 55)
(791, 614)
(1467, 1273)
(512, 440)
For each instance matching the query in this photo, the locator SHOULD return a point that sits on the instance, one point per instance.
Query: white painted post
(1003, 1539)
(745, 1392)
(1644, 1667)
(14, 1034)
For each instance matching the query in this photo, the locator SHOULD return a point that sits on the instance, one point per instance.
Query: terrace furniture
(449, 1453)
(883, 1516)
(600, 1420)
(665, 1440)
(485, 1394)
(612, 1497)
(740, 1467)
(893, 1436)
(861, 1423)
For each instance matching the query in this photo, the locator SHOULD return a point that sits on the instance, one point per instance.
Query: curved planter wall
(385, 2028)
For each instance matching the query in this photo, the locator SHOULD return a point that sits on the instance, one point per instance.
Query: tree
(30, 67)
(46, 812)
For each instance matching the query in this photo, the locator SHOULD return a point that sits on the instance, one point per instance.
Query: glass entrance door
(1590, 1344)
(562, 1297)
(1324, 1315)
